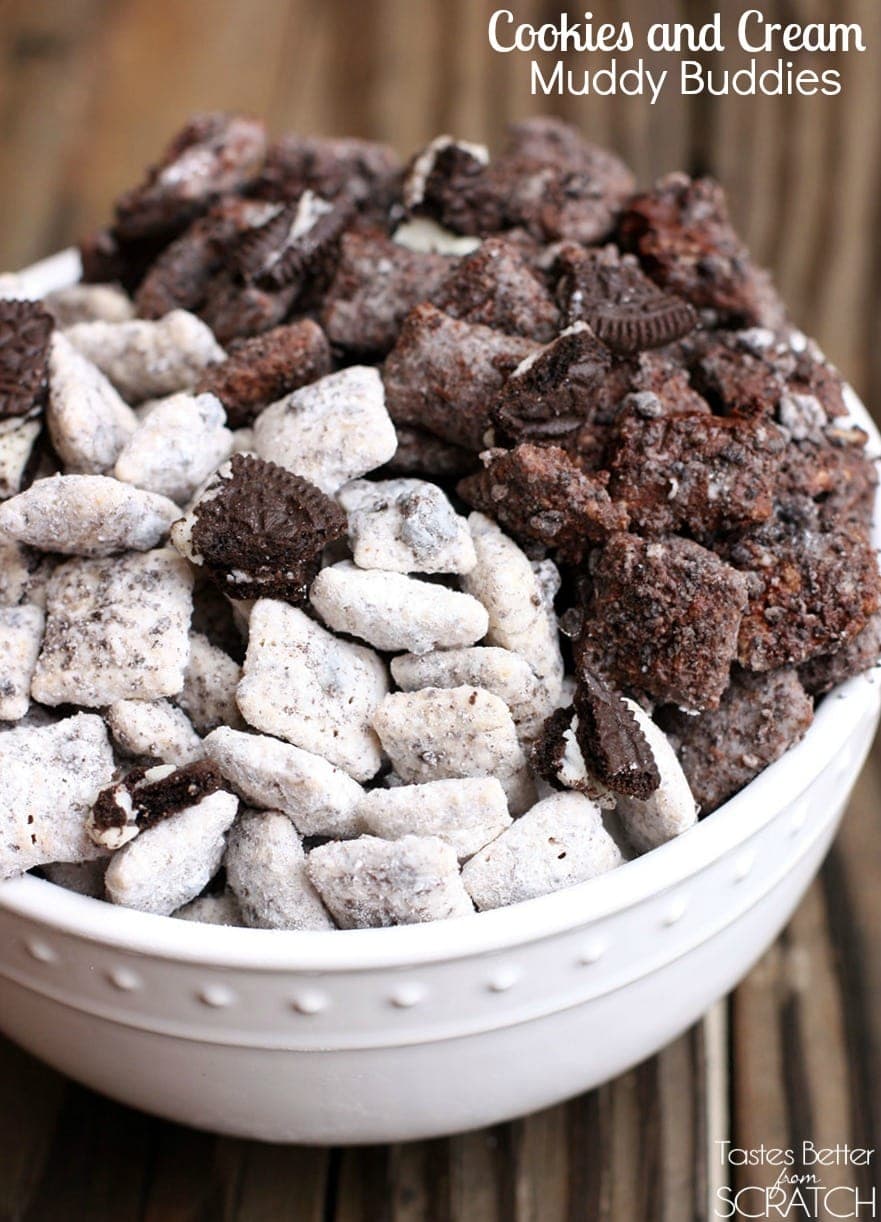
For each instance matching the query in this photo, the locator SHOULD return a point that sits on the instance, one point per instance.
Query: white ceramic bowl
(384, 1035)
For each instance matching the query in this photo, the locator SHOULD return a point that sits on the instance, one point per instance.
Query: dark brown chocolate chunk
(614, 747)
(693, 472)
(810, 591)
(153, 801)
(685, 241)
(861, 653)
(622, 306)
(496, 288)
(443, 375)
(214, 153)
(662, 617)
(25, 332)
(285, 249)
(556, 391)
(264, 368)
(262, 532)
(538, 493)
(375, 285)
(760, 717)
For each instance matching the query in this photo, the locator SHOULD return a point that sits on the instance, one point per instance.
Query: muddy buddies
(384, 542)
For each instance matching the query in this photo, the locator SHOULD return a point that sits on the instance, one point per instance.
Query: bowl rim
(406, 946)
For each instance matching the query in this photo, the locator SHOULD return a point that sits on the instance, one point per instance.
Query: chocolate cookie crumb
(145, 797)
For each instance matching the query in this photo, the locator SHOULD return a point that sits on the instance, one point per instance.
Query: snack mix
(383, 542)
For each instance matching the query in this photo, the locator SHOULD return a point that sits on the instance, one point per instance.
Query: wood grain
(90, 90)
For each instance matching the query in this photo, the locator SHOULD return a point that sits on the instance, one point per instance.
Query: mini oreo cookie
(147, 796)
(259, 530)
(620, 304)
(25, 330)
(613, 745)
(287, 247)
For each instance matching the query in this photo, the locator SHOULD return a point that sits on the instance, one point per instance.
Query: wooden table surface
(89, 91)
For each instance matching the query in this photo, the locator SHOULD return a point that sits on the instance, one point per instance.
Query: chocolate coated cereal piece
(89, 303)
(87, 515)
(560, 842)
(176, 447)
(505, 674)
(443, 374)
(694, 472)
(538, 493)
(115, 629)
(663, 618)
(364, 170)
(49, 776)
(148, 360)
(370, 882)
(421, 453)
(495, 287)
(213, 153)
(376, 284)
(21, 631)
(685, 241)
(319, 799)
(437, 733)
(406, 526)
(861, 653)
(612, 740)
(265, 367)
(154, 729)
(266, 871)
(554, 389)
(304, 685)
(521, 617)
(259, 530)
(670, 809)
(88, 420)
(759, 718)
(18, 438)
(836, 473)
(208, 695)
(236, 310)
(147, 796)
(169, 864)
(25, 332)
(466, 813)
(330, 432)
(392, 611)
(809, 591)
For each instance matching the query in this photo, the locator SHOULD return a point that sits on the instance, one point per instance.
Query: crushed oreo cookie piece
(622, 306)
(25, 332)
(282, 251)
(554, 389)
(259, 530)
(614, 747)
(147, 796)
